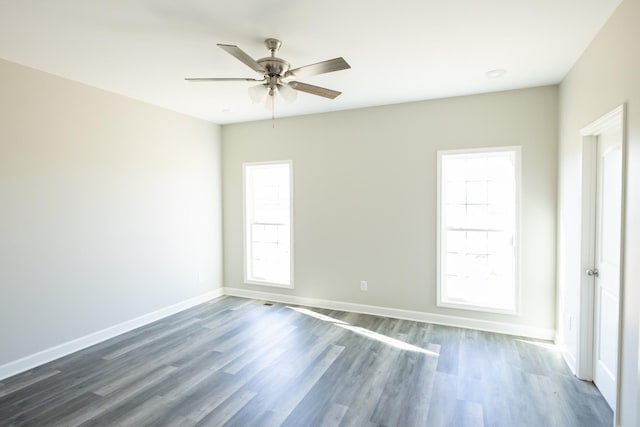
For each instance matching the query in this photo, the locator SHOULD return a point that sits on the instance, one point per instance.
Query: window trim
(245, 232)
(440, 302)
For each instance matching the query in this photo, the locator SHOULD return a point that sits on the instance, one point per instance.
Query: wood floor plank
(150, 338)
(377, 374)
(468, 414)
(50, 392)
(223, 412)
(407, 394)
(26, 380)
(111, 403)
(254, 353)
(55, 415)
(213, 391)
(304, 383)
(239, 362)
(333, 416)
(345, 378)
(442, 407)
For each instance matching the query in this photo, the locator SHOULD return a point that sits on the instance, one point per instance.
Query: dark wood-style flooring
(239, 362)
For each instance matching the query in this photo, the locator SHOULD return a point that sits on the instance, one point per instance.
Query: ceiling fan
(276, 72)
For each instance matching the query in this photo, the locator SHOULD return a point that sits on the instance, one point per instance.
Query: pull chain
(273, 112)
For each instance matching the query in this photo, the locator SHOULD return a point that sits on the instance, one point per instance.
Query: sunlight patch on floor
(388, 340)
(319, 316)
(547, 346)
(365, 332)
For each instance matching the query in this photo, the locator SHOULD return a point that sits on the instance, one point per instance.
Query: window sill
(473, 307)
(270, 284)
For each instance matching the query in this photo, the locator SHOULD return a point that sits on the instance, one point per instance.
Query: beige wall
(109, 209)
(607, 75)
(365, 193)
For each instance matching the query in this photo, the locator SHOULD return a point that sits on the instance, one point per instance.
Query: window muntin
(268, 223)
(478, 222)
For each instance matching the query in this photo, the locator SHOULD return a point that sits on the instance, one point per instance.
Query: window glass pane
(478, 219)
(477, 242)
(456, 216)
(456, 241)
(476, 169)
(477, 192)
(268, 223)
(271, 194)
(456, 288)
(476, 266)
(456, 263)
(500, 243)
(456, 192)
(455, 170)
(497, 219)
(500, 167)
(500, 194)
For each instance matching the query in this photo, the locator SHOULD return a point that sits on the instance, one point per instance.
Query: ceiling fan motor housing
(274, 66)
(275, 70)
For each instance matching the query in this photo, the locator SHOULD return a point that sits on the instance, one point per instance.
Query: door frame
(589, 137)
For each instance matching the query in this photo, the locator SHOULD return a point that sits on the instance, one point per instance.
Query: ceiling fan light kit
(276, 72)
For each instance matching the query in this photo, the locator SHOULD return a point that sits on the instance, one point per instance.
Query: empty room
(352, 213)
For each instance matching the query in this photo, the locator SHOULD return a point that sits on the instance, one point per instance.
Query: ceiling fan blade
(221, 79)
(329, 66)
(314, 90)
(242, 57)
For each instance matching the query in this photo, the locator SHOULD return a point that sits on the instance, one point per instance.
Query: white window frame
(247, 226)
(441, 243)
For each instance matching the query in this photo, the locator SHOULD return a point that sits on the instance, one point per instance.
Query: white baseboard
(568, 357)
(45, 356)
(570, 360)
(419, 316)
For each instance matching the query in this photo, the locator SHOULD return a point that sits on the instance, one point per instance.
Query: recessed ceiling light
(495, 74)
(226, 110)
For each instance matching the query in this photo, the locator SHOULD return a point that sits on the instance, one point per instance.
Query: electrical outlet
(570, 321)
(363, 285)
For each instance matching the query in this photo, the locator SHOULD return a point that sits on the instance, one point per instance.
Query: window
(268, 223)
(478, 220)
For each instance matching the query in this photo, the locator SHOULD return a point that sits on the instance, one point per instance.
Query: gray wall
(109, 210)
(365, 196)
(607, 75)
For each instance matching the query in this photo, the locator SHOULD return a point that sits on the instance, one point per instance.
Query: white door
(607, 265)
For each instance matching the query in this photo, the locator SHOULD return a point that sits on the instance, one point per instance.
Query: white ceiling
(399, 51)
